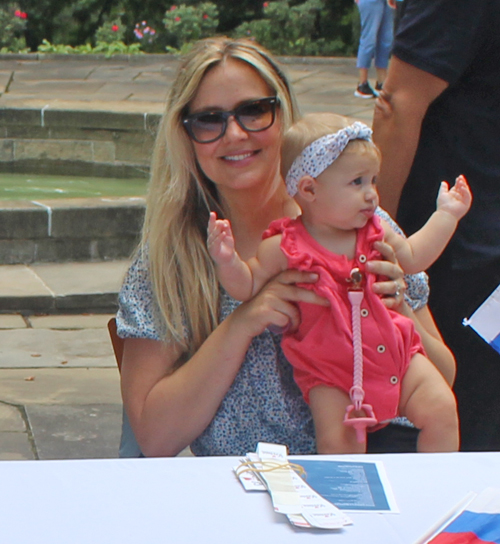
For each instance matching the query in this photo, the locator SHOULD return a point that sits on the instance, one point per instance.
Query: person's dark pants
(455, 295)
(393, 439)
(400, 9)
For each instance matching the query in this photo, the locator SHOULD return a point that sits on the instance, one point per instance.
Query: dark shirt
(459, 42)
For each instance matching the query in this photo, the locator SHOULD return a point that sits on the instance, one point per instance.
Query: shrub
(293, 30)
(13, 24)
(146, 35)
(187, 24)
(110, 32)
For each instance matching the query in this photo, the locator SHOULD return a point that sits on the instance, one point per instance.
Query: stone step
(75, 229)
(61, 288)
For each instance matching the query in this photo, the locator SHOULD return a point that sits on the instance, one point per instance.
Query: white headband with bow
(319, 155)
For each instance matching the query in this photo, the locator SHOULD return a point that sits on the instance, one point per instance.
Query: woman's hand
(392, 290)
(275, 304)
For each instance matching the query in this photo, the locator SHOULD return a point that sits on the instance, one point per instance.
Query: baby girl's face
(346, 193)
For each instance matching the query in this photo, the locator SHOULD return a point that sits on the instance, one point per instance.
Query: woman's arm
(167, 407)
(437, 351)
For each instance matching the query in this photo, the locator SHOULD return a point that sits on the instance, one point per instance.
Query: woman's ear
(306, 188)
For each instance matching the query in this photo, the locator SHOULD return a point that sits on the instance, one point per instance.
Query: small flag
(486, 320)
(479, 523)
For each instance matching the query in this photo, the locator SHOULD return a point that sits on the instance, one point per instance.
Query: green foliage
(71, 22)
(293, 27)
(47, 47)
(186, 24)
(292, 30)
(117, 48)
(13, 25)
(103, 48)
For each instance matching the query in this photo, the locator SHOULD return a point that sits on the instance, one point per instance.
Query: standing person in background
(375, 43)
(439, 115)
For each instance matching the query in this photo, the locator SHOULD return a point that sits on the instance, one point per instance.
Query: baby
(332, 178)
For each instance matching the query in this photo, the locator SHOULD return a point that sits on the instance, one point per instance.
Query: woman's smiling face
(240, 159)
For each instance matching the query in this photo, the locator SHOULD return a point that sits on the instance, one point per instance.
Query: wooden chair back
(116, 342)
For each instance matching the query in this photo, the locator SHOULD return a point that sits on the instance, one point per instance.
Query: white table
(198, 500)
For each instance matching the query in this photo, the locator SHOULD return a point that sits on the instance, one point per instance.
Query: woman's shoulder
(137, 315)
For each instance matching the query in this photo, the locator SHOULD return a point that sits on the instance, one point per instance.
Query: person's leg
(384, 41)
(381, 75)
(328, 405)
(428, 402)
(371, 12)
(455, 295)
(363, 75)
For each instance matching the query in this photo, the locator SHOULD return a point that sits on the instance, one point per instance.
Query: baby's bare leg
(328, 406)
(428, 402)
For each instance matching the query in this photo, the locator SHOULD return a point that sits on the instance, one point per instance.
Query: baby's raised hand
(457, 200)
(220, 240)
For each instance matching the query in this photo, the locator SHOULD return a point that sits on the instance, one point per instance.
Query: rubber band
(269, 466)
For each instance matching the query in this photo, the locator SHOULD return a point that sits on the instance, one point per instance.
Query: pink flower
(177, 19)
(265, 4)
(17, 13)
(144, 23)
(172, 8)
(153, 32)
(205, 16)
(24, 15)
(115, 28)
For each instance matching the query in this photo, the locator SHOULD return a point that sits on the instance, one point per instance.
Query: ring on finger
(397, 292)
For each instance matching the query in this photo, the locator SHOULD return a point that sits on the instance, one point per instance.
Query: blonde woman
(199, 368)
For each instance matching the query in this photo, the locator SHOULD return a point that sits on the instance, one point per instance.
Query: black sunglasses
(252, 116)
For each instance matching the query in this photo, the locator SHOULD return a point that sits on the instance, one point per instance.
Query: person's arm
(437, 351)
(399, 112)
(233, 273)
(242, 280)
(169, 407)
(420, 250)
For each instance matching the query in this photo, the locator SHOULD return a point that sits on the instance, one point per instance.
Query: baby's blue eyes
(359, 181)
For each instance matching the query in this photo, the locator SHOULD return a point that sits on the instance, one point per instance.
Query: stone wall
(103, 144)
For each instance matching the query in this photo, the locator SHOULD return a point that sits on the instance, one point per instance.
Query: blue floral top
(263, 403)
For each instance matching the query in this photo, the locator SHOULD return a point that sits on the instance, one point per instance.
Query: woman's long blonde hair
(180, 197)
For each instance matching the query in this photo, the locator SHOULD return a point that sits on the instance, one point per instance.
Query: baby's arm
(420, 250)
(242, 279)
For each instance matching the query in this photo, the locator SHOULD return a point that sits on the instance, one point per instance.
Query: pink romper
(321, 350)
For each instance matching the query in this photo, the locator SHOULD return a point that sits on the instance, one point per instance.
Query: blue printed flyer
(351, 485)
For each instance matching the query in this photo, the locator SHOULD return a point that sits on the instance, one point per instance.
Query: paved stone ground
(59, 385)
(139, 84)
(59, 388)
